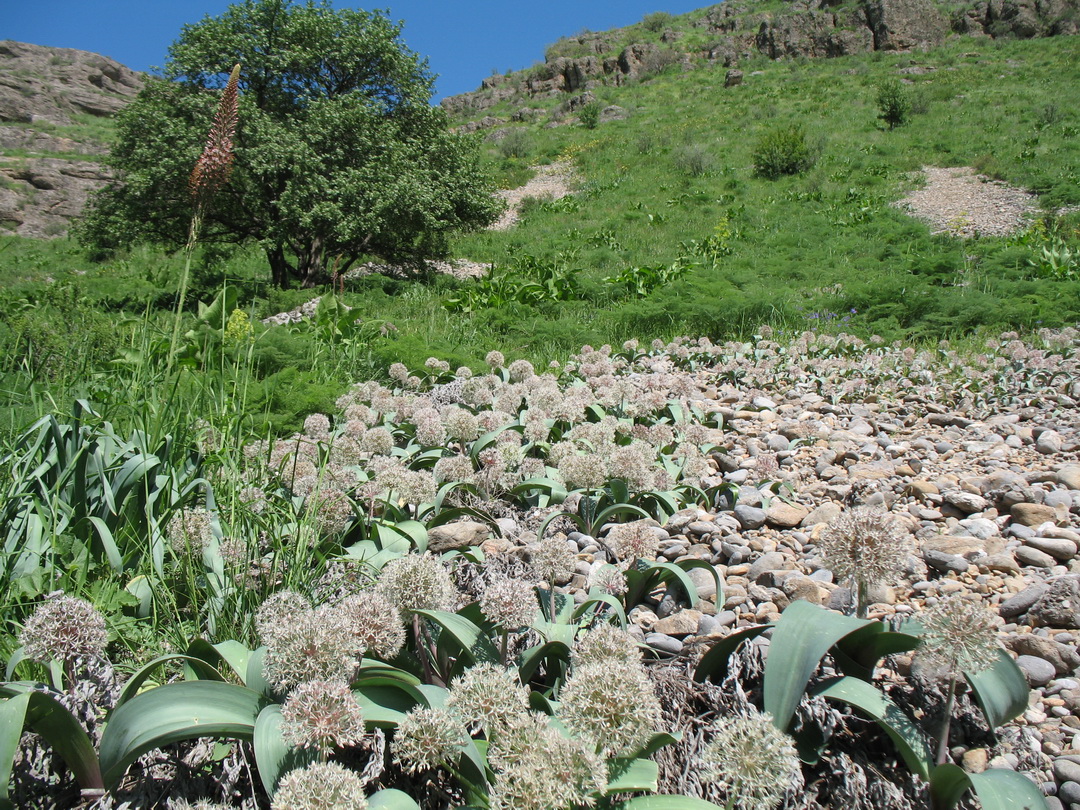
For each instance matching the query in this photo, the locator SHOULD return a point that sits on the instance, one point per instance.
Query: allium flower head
(489, 695)
(279, 611)
(866, 546)
(214, 166)
(189, 531)
(613, 704)
(323, 715)
(583, 470)
(959, 635)
(633, 541)
(64, 628)
(608, 579)
(323, 785)
(552, 560)
(417, 582)
(315, 645)
(427, 738)
(750, 760)
(495, 359)
(376, 623)
(538, 768)
(510, 603)
(606, 642)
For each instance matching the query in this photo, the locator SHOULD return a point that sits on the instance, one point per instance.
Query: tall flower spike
(213, 167)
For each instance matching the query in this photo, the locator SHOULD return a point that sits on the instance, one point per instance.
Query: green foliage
(894, 103)
(590, 115)
(657, 21)
(333, 158)
(782, 150)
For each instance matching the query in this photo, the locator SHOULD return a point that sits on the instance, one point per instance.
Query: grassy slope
(803, 252)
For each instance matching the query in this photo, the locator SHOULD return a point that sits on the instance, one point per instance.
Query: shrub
(695, 160)
(894, 103)
(515, 144)
(658, 61)
(783, 150)
(657, 21)
(590, 115)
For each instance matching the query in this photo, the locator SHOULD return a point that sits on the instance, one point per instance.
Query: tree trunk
(279, 267)
(311, 264)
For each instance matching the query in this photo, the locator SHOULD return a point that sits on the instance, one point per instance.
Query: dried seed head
(214, 166)
(375, 622)
(552, 560)
(323, 715)
(189, 531)
(611, 703)
(427, 738)
(279, 612)
(959, 635)
(865, 545)
(319, 786)
(537, 768)
(750, 760)
(417, 582)
(489, 695)
(315, 645)
(606, 642)
(633, 541)
(64, 628)
(510, 603)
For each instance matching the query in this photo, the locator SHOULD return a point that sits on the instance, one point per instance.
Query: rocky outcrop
(806, 28)
(42, 89)
(52, 84)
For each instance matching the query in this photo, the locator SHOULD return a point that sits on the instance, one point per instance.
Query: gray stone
(1069, 476)
(726, 618)
(825, 513)
(967, 547)
(784, 515)
(1032, 514)
(682, 623)
(1057, 547)
(457, 535)
(1037, 671)
(1069, 792)
(1020, 603)
(1048, 443)
(750, 517)
(943, 562)
(1063, 657)
(1026, 555)
(1059, 606)
(1065, 770)
(667, 644)
(703, 581)
(773, 561)
(966, 502)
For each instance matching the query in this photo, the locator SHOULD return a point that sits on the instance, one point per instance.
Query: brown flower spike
(213, 167)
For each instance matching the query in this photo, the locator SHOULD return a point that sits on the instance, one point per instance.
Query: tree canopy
(338, 153)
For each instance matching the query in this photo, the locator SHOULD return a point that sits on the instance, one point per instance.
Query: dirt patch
(552, 181)
(960, 202)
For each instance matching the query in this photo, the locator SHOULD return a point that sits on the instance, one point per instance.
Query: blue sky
(464, 41)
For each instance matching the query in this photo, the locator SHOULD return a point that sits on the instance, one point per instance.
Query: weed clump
(783, 150)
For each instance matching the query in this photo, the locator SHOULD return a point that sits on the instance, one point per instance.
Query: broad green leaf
(200, 667)
(108, 544)
(46, 716)
(997, 789)
(385, 706)
(391, 799)
(595, 600)
(800, 639)
(1001, 691)
(858, 653)
(175, 712)
(666, 802)
(256, 674)
(470, 639)
(533, 657)
(632, 775)
(273, 757)
(713, 665)
(912, 744)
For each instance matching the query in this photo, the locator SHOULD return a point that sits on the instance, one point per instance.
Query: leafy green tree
(338, 154)
(894, 103)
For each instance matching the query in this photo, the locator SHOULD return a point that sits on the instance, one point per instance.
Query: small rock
(940, 561)
(1063, 657)
(975, 760)
(966, 502)
(457, 535)
(784, 515)
(1069, 793)
(1059, 606)
(1032, 514)
(1069, 476)
(750, 517)
(667, 644)
(826, 513)
(1057, 547)
(773, 561)
(1048, 443)
(1020, 603)
(683, 623)
(1026, 555)
(1066, 770)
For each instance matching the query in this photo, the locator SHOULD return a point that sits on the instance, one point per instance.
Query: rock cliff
(49, 143)
(739, 30)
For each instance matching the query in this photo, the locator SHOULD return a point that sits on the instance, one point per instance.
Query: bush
(695, 160)
(515, 144)
(894, 103)
(657, 21)
(590, 115)
(656, 62)
(783, 150)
